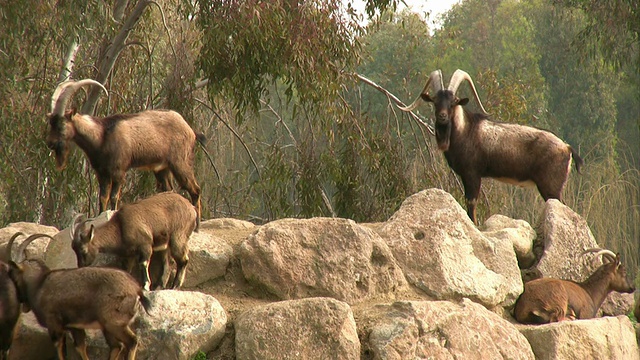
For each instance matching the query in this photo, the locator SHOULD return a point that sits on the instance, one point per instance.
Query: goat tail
(145, 302)
(577, 159)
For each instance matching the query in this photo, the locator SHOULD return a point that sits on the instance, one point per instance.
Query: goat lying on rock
(157, 140)
(549, 300)
(76, 299)
(159, 223)
(476, 147)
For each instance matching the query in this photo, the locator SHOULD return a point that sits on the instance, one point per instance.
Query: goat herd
(152, 229)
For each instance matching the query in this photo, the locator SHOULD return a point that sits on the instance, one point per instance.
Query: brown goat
(156, 140)
(77, 299)
(476, 147)
(549, 300)
(9, 303)
(159, 223)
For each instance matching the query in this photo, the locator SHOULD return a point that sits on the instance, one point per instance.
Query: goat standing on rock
(549, 300)
(159, 223)
(77, 299)
(156, 140)
(476, 147)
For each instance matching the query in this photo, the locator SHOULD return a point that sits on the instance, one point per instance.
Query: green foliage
(200, 356)
(250, 44)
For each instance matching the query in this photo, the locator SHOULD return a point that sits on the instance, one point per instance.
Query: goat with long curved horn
(476, 147)
(23, 246)
(157, 140)
(6, 256)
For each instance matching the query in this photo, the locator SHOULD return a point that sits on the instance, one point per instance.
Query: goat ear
(463, 101)
(92, 231)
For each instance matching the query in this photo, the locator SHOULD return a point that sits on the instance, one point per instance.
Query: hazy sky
(436, 7)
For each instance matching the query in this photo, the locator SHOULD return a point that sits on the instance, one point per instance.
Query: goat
(158, 223)
(157, 140)
(549, 300)
(77, 299)
(9, 303)
(476, 147)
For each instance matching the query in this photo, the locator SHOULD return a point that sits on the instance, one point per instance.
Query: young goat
(476, 147)
(159, 223)
(160, 141)
(77, 299)
(9, 303)
(549, 300)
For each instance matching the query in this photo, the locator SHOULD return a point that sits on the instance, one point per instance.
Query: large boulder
(35, 250)
(444, 330)
(518, 232)
(566, 235)
(312, 328)
(327, 257)
(597, 339)
(180, 325)
(445, 255)
(209, 257)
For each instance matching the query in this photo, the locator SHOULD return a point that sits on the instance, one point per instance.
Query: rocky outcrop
(320, 257)
(442, 253)
(356, 291)
(598, 339)
(444, 330)
(312, 328)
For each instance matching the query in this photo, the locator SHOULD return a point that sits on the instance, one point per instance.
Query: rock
(209, 257)
(565, 235)
(295, 258)
(603, 338)
(445, 330)
(313, 328)
(442, 253)
(31, 341)
(518, 232)
(225, 223)
(181, 324)
(35, 250)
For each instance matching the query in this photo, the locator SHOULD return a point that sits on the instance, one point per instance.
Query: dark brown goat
(476, 147)
(160, 223)
(9, 303)
(156, 140)
(549, 300)
(77, 299)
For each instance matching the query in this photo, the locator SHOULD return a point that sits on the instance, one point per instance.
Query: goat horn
(21, 255)
(65, 90)
(606, 254)
(6, 257)
(434, 78)
(74, 224)
(456, 80)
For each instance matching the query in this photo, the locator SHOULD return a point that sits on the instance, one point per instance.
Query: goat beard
(61, 152)
(443, 133)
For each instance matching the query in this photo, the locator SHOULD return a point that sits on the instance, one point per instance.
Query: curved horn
(434, 78)
(65, 90)
(21, 255)
(6, 257)
(456, 80)
(74, 225)
(609, 255)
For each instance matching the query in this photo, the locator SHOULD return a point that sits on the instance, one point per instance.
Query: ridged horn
(21, 255)
(6, 257)
(457, 78)
(435, 79)
(74, 225)
(65, 90)
(609, 255)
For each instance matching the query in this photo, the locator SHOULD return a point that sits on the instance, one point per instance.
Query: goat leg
(79, 340)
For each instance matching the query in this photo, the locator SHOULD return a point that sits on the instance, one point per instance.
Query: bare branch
(397, 101)
(69, 60)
